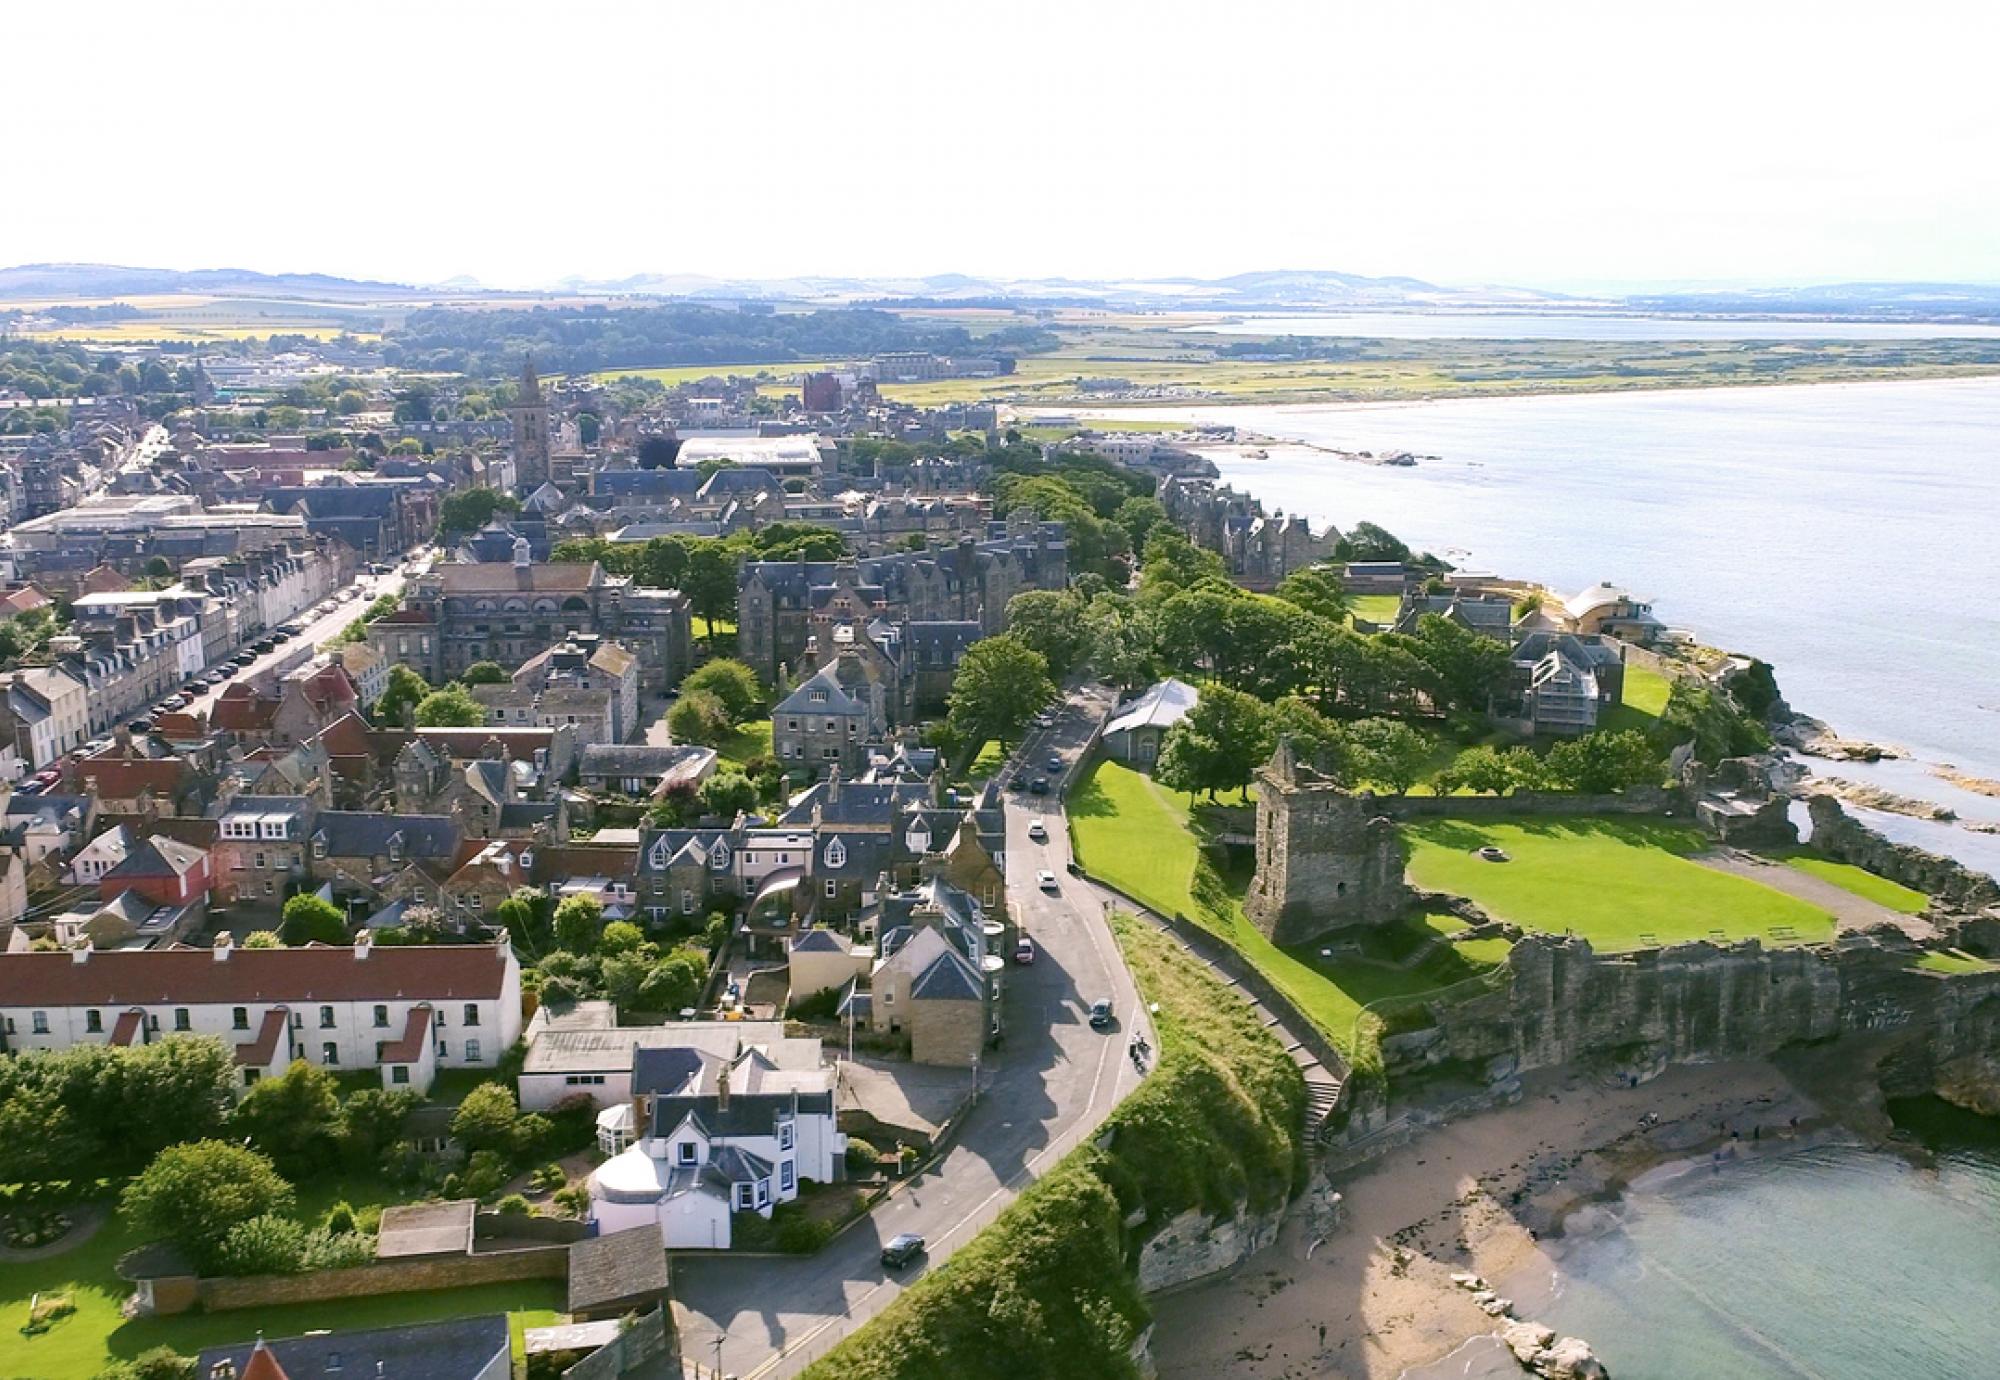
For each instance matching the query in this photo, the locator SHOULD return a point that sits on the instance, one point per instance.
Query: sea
(1392, 325)
(1849, 534)
(1835, 1263)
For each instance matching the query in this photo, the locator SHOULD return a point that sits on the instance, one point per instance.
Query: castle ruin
(1324, 858)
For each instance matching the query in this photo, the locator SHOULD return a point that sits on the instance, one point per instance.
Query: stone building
(529, 417)
(1324, 860)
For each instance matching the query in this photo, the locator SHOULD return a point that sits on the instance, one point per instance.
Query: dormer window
(919, 838)
(660, 853)
(718, 856)
(836, 853)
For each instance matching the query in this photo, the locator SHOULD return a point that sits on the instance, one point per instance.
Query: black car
(902, 1249)
(1039, 786)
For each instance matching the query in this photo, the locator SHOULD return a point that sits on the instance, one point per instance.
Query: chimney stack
(722, 1089)
(81, 953)
(364, 941)
(223, 944)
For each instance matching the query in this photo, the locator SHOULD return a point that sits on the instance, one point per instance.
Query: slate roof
(366, 834)
(156, 857)
(625, 1267)
(317, 972)
(498, 577)
(947, 978)
(456, 1349)
(856, 802)
(638, 759)
(661, 483)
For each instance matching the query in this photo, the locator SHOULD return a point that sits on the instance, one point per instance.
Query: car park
(902, 1249)
(1038, 831)
(1100, 1014)
(1024, 950)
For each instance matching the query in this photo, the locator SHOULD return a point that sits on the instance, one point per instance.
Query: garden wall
(1640, 800)
(644, 1340)
(383, 1277)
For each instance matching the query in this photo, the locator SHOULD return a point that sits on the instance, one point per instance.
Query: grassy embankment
(1145, 840)
(1049, 1288)
(1860, 881)
(96, 1334)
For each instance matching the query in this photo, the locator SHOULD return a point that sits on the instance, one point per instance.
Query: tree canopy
(1001, 683)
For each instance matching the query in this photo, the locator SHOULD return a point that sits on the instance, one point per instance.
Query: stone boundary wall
(1839, 835)
(487, 1226)
(644, 1340)
(383, 1277)
(1643, 800)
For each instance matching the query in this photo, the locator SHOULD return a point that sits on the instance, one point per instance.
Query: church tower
(530, 416)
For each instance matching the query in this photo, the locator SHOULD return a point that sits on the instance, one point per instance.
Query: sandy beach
(1376, 1298)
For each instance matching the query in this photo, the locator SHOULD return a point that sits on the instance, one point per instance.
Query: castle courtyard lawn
(1861, 882)
(96, 1334)
(1142, 839)
(1643, 701)
(1621, 883)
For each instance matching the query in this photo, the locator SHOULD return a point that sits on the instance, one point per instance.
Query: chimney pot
(364, 940)
(223, 944)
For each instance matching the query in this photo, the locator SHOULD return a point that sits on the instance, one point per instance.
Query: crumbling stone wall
(1325, 856)
(1838, 835)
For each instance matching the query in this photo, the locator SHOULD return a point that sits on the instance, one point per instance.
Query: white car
(1046, 880)
(1038, 831)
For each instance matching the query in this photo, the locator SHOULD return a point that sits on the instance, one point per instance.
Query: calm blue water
(1833, 1264)
(1845, 533)
(1390, 325)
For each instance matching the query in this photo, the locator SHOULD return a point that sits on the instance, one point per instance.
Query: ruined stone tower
(1322, 860)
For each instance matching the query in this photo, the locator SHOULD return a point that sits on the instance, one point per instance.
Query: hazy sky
(1536, 143)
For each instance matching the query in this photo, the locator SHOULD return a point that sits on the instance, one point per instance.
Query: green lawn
(1862, 883)
(1375, 608)
(751, 738)
(96, 1333)
(1644, 699)
(1621, 883)
(1142, 839)
(990, 759)
(1952, 961)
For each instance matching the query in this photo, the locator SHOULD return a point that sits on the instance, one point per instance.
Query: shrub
(268, 1245)
(339, 1219)
(482, 1176)
(861, 1158)
(327, 1250)
(819, 1006)
(160, 1363)
(513, 1205)
(485, 1119)
(574, 1200)
(194, 1193)
(797, 1233)
(550, 1177)
(621, 936)
(533, 1134)
(573, 1126)
(263, 939)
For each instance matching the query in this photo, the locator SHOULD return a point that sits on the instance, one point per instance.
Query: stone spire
(531, 384)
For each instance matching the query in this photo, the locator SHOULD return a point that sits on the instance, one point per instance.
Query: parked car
(902, 1249)
(29, 788)
(1024, 950)
(226, 670)
(1038, 831)
(245, 659)
(1046, 880)
(1100, 1014)
(174, 702)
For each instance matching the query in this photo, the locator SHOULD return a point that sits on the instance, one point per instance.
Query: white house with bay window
(709, 1138)
(406, 1012)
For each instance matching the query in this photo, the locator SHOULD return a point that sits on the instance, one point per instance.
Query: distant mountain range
(1267, 291)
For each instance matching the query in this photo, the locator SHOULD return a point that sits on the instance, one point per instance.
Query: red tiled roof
(257, 1054)
(262, 1365)
(242, 710)
(410, 1048)
(126, 779)
(329, 690)
(131, 977)
(347, 736)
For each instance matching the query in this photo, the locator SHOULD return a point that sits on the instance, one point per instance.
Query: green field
(1142, 839)
(989, 759)
(1952, 962)
(1862, 883)
(96, 1333)
(750, 739)
(1375, 608)
(1620, 883)
(1644, 700)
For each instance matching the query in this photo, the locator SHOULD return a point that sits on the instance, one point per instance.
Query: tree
(710, 583)
(1051, 622)
(193, 1193)
(308, 918)
(371, 1120)
(293, 1117)
(350, 401)
(620, 936)
(732, 683)
(1389, 753)
(1173, 563)
(451, 707)
(1139, 515)
(698, 718)
(658, 452)
(1484, 771)
(468, 510)
(588, 427)
(40, 1140)
(1367, 542)
(1317, 589)
(1469, 668)
(726, 793)
(485, 1119)
(155, 1363)
(579, 924)
(1216, 746)
(1316, 740)
(1001, 683)
(400, 697)
(269, 1244)
(1118, 638)
(675, 982)
(1602, 762)
(484, 673)
(526, 917)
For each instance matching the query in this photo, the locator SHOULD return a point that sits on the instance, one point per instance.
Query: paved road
(1054, 1082)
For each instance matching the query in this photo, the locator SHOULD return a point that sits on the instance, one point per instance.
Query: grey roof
(455, 1349)
(855, 802)
(820, 941)
(662, 483)
(1589, 652)
(735, 1165)
(948, 978)
(665, 1070)
(626, 1266)
(637, 759)
(525, 814)
(820, 693)
(366, 834)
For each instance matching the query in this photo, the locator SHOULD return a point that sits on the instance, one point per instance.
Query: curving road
(1053, 1083)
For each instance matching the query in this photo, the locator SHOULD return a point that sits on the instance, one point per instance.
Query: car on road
(1024, 950)
(1039, 786)
(1038, 830)
(29, 788)
(1046, 880)
(1100, 1014)
(902, 1249)
(245, 659)
(1055, 764)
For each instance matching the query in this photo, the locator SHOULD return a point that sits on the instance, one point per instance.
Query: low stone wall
(1839, 835)
(516, 1226)
(644, 1340)
(383, 1277)
(1641, 800)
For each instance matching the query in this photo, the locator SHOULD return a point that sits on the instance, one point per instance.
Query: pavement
(1050, 1085)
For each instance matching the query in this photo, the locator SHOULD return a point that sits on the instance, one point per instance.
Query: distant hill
(112, 280)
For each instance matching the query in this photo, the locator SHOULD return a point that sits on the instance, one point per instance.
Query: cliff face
(1193, 1246)
(1838, 835)
(1695, 1002)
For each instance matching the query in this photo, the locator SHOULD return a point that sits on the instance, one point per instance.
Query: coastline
(1375, 1299)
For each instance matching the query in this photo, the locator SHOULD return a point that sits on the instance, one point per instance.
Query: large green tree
(579, 924)
(1469, 668)
(468, 510)
(400, 697)
(1218, 744)
(308, 918)
(1389, 753)
(1001, 683)
(193, 1193)
(1317, 589)
(1051, 622)
(451, 707)
(732, 683)
(710, 583)
(293, 1117)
